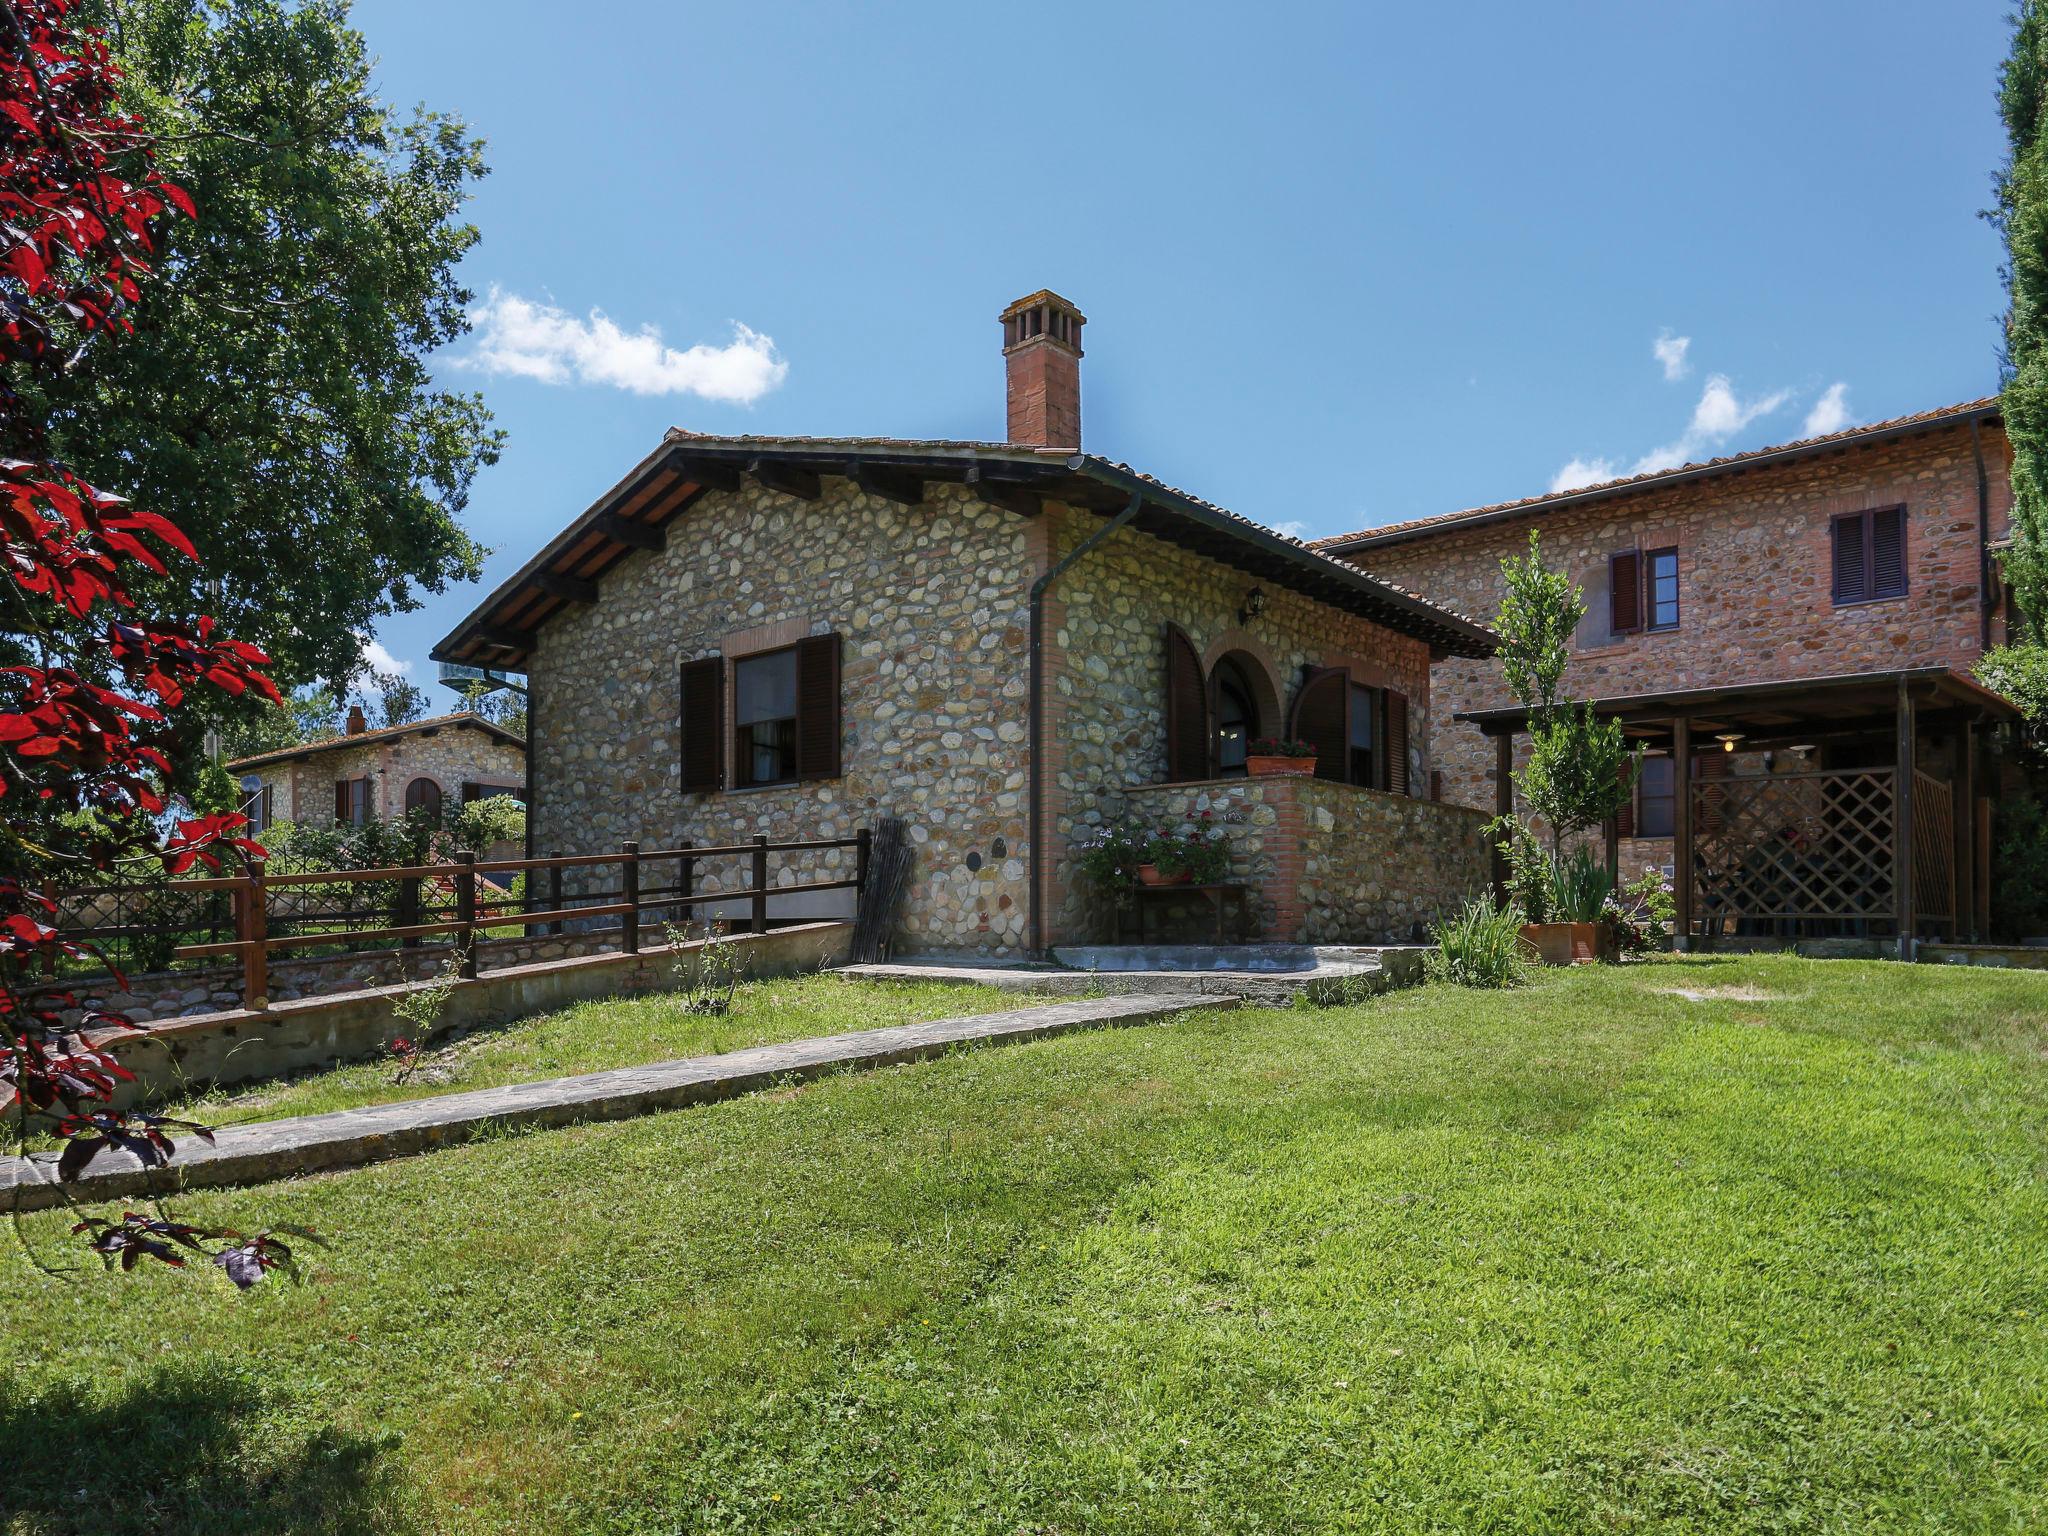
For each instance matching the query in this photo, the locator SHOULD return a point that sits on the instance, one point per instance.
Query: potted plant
(1565, 900)
(1279, 755)
(1113, 855)
(1192, 852)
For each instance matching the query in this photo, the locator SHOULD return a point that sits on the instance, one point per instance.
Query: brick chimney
(356, 723)
(1042, 354)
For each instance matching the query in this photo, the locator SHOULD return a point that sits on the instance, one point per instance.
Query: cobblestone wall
(1332, 863)
(452, 756)
(1106, 679)
(930, 604)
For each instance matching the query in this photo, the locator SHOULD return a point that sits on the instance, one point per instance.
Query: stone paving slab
(277, 1149)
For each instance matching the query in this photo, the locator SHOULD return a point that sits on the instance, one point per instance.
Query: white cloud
(1670, 352)
(1719, 414)
(378, 659)
(538, 341)
(1830, 412)
(1293, 530)
(1583, 472)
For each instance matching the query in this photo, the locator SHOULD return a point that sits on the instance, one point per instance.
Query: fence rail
(352, 910)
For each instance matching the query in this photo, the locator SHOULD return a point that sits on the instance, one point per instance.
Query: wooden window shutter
(1888, 552)
(1397, 742)
(1625, 818)
(1850, 560)
(703, 722)
(1712, 765)
(269, 804)
(817, 707)
(1625, 592)
(341, 799)
(1322, 717)
(1187, 710)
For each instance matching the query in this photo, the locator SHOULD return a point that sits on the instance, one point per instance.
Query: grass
(595, 1036)
(1588, 1256)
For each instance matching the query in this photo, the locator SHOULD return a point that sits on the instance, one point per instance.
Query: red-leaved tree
(89, 683)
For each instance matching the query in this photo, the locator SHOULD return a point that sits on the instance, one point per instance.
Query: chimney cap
(1043, 296)
(356, 723)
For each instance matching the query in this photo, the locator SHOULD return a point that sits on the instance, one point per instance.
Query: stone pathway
(1258, 973)
(277, 1149)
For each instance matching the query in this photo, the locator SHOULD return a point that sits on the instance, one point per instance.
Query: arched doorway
(1234, 708)
(423, 794)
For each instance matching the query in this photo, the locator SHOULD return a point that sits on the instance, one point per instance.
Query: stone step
(277, 1149)
(1274, 973)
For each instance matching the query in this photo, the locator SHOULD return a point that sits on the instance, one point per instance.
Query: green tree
(275, 399)
(2021, 215)
(398, 702)
(1580, 770)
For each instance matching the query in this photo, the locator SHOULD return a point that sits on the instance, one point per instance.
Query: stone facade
(1755, 583)
(451, 751)
(931, 604)
(1333, 863)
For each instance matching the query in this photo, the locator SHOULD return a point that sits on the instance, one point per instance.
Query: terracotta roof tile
(1848, 435)
(460, 718)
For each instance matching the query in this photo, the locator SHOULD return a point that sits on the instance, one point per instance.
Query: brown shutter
(1712, 765)
(1850, 583)
(1397, 742)
(1187, 710)
(341, 800)
(1625, 818)
(1888, 552)
(1321, 716)
(1625, 592)
(817, 707)
(269, 803)
(703, 721)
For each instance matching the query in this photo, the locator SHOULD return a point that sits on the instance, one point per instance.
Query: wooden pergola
(1870, 843)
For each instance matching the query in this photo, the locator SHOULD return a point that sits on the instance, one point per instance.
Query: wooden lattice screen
(1795, 855)
(1934, 853)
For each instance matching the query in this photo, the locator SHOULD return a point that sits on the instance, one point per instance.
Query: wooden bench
(1135, 901)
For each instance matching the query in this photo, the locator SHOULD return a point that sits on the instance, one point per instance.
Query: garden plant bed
(1579, 1256)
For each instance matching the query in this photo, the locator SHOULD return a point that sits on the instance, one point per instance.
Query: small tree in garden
(1580, 769)
(91, 685)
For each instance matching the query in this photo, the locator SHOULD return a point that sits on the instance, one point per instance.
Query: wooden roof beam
(570, 589)
(786, 478)
(1008, 495)
(887, 482)
(631, 534)
(712, 474)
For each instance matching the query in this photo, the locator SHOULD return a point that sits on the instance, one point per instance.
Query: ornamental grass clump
(1481, 946)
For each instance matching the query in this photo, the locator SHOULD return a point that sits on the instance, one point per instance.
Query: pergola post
(1681, 828)
(1503, 805)
(1963, 793)
(1902, 826)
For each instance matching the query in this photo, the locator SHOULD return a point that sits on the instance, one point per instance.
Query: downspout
(1036, 708)
(1986, 563)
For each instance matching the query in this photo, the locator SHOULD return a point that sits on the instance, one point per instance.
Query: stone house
(1005, 644)
(376, 775)
(1864, 554)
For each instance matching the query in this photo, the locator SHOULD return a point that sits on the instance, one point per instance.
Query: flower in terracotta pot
(1280, 754)
(1113, 857)
(1194, 851)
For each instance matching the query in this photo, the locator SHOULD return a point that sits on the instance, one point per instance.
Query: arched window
(1237, 717)
(423, 794)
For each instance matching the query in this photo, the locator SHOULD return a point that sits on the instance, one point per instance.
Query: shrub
(1480, 947)
(708, 975)
(1642, 912)
(2020, 865)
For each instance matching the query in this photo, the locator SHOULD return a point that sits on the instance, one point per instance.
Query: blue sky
(1342, 264)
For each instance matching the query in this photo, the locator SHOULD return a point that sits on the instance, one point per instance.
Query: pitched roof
(461, 720)
(1733, 463)
(636, 512)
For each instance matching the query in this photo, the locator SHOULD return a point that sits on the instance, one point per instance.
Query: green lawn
(1590, 1257)
(592, 1037)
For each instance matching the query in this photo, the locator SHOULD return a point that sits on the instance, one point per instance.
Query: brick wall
(1754, 577)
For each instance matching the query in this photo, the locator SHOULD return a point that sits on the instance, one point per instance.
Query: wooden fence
(605, 896)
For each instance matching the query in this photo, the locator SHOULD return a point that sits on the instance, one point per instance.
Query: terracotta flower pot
(1286, 767)
(1151, 874)
(1569, 943)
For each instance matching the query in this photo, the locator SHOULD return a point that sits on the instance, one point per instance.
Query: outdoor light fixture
(1728, 739)
(1254, 605)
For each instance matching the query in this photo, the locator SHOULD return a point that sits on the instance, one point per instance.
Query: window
(352, 801)
(257, 804)
(473, 791)
(1365, 742)
(1660, 570)
(1869, 553)
(1656, 799)
(764, 718)
(1237, 720)
(423, 794)
(1642, 590)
